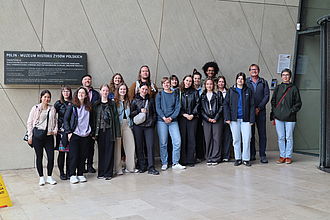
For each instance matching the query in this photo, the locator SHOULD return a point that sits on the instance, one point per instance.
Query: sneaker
(133, 171)
(237, 163)
(100, 177)
(41, 181)
(209, 163)
(82, 179)
(288, 160)
(225, 160)
(63, 177)
(214, 163)
(281, 160)
(50, 180)
(120, 172)
(164, 167)
(178, 167)
(107, 178)
(263, 160)
(153, 171)
(142, 170)
(247, 163)
(91, 169)
(74, 180)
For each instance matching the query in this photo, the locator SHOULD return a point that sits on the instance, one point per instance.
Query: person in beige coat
(42, 128)
(127, 138)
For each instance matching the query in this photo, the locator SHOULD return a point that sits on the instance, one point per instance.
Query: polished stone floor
(271, 191)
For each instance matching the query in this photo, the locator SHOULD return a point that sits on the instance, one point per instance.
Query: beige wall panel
(254, 15)
(229, 36)
(292, 2)
(35, 12)
(278, 35)
(294, 13)
(16, 32)
(183, 46)
(123, 35)
(15, 153)
(23, 100)
(67, 30)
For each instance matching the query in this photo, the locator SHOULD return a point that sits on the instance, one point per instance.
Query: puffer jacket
(189, 100)
(216, 111)
(231, 105)
(289, 106)
(138, 103)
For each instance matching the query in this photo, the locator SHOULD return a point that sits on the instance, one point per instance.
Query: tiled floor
(271, 191)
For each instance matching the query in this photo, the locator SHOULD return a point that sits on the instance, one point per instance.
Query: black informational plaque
(51, 68)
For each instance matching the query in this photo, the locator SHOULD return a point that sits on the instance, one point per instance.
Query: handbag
(39, 133)
(141, 117)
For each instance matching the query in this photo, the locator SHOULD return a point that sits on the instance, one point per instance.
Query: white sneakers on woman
(42, 181)
(49, 180)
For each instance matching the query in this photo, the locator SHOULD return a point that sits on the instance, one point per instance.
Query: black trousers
(78, 154)
(213, 140)
(261, 126)
(38, 145)
(63, 158)
(200, 143)
(188, 130)
(144, 135)
(90, 154)
(106, 153)
(227, 142)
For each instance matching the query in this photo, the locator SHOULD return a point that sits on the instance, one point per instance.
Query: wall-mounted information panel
(51, 68)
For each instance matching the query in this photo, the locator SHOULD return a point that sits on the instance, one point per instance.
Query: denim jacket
(121, 110)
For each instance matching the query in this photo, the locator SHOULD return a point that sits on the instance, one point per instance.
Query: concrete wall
(171, 36)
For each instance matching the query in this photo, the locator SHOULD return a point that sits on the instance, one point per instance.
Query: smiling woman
(42, 127)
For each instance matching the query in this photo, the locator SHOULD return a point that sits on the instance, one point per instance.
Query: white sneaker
(74, 179)
(50, 180)
(41, 181)
(164, 167)
(178, 167)
(82, 179)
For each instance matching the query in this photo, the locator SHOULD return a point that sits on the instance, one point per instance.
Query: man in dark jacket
(94, 96)
(260, 89)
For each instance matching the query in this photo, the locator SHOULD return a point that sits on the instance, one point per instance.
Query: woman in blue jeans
(285, 103)
(168, 109)
(240, 114)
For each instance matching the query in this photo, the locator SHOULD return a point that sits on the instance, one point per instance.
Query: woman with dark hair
(227, 139)
(42, 128)
(105, 129)
(62, 144)
(144, 131)
(286, 103)
(114, 84)
(212, 114)
(127, 139)
(174, 82)
(188, 120)
(77, 125)
(143, 77)
(240, 114)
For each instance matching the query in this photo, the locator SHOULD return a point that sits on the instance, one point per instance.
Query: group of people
(195, 120)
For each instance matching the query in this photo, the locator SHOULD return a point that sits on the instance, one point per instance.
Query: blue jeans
(163, 130)
(284, 131)
(237, 128)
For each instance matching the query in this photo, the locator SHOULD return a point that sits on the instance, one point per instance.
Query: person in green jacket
(285, 103)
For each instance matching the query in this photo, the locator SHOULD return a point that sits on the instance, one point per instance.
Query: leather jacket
(61, 108)
(189, 100)
(216, 111)
(138, 103)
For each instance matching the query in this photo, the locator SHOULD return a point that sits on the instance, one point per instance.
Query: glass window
(308, 80)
